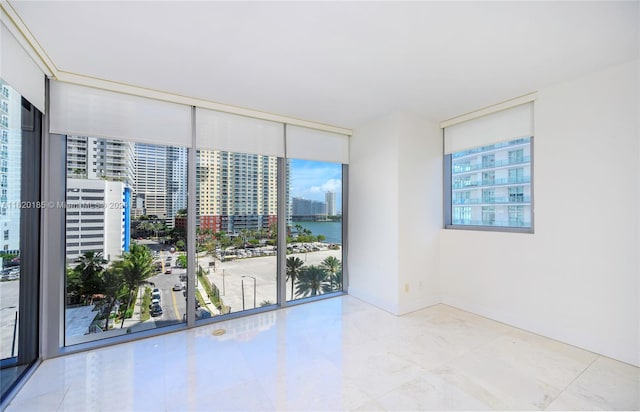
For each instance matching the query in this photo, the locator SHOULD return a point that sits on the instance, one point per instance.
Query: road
(228, 277)
(173, 302)
(9, 295)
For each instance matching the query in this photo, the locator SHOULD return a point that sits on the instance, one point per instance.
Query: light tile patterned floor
(337, 354)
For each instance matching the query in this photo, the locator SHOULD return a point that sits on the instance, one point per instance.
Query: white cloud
(331, 185)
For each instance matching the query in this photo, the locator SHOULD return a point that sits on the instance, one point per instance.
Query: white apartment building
(150, 185)
(96, 217)
(330, 200)
(235, 191)
(98, 158)
(491, 186)
(10, 161)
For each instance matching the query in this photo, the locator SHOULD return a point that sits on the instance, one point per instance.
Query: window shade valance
(19, 70)
(507, 124)
(87, 111)
(233, 133)
(310, 144)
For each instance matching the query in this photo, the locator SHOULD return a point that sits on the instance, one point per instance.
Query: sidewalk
(207, 302)
(133, 324)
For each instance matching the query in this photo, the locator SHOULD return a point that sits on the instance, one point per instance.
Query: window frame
(53, 328)
(448, 195)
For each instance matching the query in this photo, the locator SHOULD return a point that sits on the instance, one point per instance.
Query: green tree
(113, 285)
(137, 267)
(182, 261)
(224, 239)
(312, 281)
(237, 242)
(294, 268)
(180, 244)
(74, 285)
(273, 231)
(158, 227)
(332, 266)
(88, 270)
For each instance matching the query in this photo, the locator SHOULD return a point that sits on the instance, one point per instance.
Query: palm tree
(312, 280)
(332, 266)
(112, 282)
(137, 267)
(182, 261)
(224, 239)
(89, 268)
(294, 268)
(336, 280)
(158, 227)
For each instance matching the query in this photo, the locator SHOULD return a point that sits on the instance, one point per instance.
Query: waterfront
(331, 230)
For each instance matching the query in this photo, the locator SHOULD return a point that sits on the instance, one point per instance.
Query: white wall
(373, 195)
(420, 212)
(395, 193)
(577, 278)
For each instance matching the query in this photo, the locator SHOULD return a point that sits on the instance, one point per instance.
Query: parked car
(177, 286)
(167, 272)
(202, 314)
(156, 310)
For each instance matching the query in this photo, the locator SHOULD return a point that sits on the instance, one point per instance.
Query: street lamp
(254, 291)
(242, 284)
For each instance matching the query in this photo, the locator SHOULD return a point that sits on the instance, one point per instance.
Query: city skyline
(311, 180)
(234, 191)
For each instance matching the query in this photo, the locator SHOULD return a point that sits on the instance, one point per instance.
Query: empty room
(283, 205)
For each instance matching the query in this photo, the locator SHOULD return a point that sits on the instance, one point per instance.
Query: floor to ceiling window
(314, 238)
(125, 255)
(237, 208)
(176, 216)
(20, 136)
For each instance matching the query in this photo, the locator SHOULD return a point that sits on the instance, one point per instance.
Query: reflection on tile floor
(336, 354)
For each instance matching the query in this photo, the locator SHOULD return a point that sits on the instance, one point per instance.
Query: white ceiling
(340, 63)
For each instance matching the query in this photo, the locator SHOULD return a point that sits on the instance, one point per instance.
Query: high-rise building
(98, 158)
(330, 200)
(100, 174)
(235, 191)
(306, 209)
(97, 217)
(160, 187)
(492, 186)
(176, 182)
(10, 160)
(150, 187)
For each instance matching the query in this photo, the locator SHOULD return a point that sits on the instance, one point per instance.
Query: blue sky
(311, 180)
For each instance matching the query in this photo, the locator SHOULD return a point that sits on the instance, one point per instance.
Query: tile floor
(337, 354)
